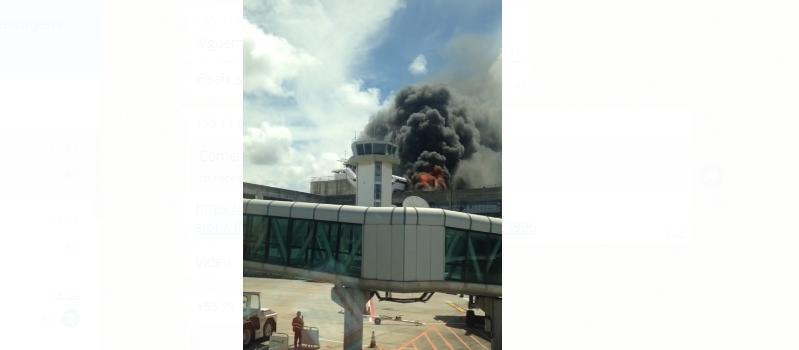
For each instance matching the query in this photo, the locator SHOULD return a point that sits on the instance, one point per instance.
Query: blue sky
(425, 27)
(315, 71)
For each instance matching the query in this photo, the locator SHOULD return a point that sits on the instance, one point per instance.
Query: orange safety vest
(297, 324)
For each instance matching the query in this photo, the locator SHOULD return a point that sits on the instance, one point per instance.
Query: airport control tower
(373, 162)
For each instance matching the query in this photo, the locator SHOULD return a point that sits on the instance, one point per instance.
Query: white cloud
(270, 61)
(271, 160)
(268, 145)
(354, 97)
(292, 173)
(419, 66)
(301, 59)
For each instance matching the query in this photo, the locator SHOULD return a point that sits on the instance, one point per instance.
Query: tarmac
(443, 317)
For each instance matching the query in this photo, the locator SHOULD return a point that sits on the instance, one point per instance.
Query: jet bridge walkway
(399, 250)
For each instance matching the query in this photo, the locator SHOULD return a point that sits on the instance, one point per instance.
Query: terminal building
(481, 201)
(375, 158)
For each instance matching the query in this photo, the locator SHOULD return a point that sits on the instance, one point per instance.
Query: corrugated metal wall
(403, 252)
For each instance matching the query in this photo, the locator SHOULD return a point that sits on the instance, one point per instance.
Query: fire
(435, 180)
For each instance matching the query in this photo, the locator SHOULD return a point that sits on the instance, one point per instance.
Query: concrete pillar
(493, 310)
(353, 301)
(496, 324)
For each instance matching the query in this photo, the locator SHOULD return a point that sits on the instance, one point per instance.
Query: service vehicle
(258, 322)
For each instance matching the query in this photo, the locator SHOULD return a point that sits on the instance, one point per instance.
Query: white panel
(410, 252)
(422, 253)
(302, 210)
(397, 252)
(480, 223)
(384, 252)
(280, 208)
(398, 216)
(410, 216)
(378, 215)
(350, 214)
(496, 225)
(369, 252)
(437, 253)
(257, 207)
(457, 220)
(366, 185)
(327, 212)
(430, 216)
(388, 188)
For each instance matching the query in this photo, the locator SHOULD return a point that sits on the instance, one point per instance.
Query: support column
(493, 310)
(353, 301)
(496, 324)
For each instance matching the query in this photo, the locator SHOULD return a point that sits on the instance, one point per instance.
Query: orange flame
(431, 181)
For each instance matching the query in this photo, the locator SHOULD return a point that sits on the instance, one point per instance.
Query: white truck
(258, 322)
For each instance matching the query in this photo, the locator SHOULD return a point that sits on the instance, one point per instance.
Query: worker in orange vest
(296, 324)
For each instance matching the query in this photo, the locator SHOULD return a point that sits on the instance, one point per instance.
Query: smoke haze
(449, 129)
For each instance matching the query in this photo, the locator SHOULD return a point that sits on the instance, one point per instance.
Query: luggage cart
(279, 341)
(310, 337)
(379, 320)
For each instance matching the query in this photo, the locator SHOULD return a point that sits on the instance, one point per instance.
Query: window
(323, 252)
(368, 148)
(380, 148)
(314, 245)
(474, 257)
(254, 304)
(350, 262)
(377, 192)
(494, 268)
(455, 254)
(301, 236)
(278, 237)
(255, 228)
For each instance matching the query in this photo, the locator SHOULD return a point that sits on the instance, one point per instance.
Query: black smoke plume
(435, 130)
(449, 129)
